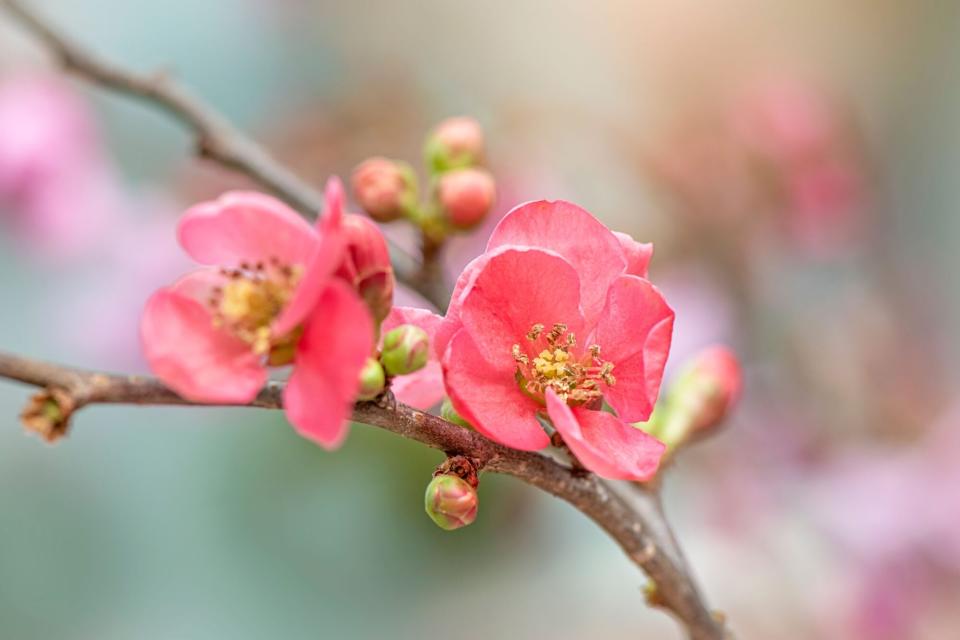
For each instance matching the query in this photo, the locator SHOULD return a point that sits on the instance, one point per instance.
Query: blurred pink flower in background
(806, 144)
(57, 188)
(705, 312)
(139, 255)
(779, 153)
(895, 515)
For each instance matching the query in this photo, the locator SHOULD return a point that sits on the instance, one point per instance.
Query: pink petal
(637, 254)
(572, 232)
(489, 398)
(424, 388)
(328, 254)
(194, 359)
(243, 226)
(515, 289)
(605, 444)
(332, 216)
(336, 342)
(198, 284)
(634, 333)
(451, 323)
(423, 318)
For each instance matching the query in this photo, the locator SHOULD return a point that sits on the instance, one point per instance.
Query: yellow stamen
(574, 377)
(252, 297)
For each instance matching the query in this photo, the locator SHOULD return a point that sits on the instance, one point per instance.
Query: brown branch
(216, 138)
(631, 528)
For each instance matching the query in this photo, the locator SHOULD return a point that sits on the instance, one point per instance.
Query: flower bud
(48, 414)
(372, 380)
(466, 196)
(451, 502)
(448, 413)
(702, 396)
(384, 188)
(366, 264)
(405, 350)
(454, 143)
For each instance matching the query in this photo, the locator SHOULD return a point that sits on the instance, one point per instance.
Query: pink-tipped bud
(451, 502)
(405, 349)
(383, 188)
(701, 398)
(454, 143)
(466, 196)
(372, 380)
(366, 264)
(716, 380)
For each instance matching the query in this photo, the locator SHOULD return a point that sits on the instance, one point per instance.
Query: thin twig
(215, 137)
(630, 528)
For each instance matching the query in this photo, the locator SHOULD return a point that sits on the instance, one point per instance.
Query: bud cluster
(461, 192)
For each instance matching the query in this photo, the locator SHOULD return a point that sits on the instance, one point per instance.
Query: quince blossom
(557, 317)
(272, 300)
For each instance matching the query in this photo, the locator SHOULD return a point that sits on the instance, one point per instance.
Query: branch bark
(641, 539)
(216, 139)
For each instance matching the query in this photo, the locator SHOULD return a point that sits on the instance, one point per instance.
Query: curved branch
(216, 138)
(72, 389)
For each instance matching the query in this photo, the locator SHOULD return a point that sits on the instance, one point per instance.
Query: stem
(638, 532)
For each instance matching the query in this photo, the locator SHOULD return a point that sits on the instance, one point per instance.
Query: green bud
(405, 350)
(372, 380)
(451, 502)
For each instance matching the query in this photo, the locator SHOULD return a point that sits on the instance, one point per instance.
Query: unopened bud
(451, 502)
(384, 188)
(48, 414)
(466, 196)
(366, 264)
(405, 349)
(372, 380)
(454, 143)
(702, 396)
(448, 413)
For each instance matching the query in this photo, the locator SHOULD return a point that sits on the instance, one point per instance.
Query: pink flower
(555, 316)
(424, 388)
(273, 301)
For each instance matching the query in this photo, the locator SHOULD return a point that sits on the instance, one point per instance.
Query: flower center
(574, 375)
(251, 298)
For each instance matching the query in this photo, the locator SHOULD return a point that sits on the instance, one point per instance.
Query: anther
(535, 332)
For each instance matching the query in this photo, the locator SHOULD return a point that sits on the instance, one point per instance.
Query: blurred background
(794, 165)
